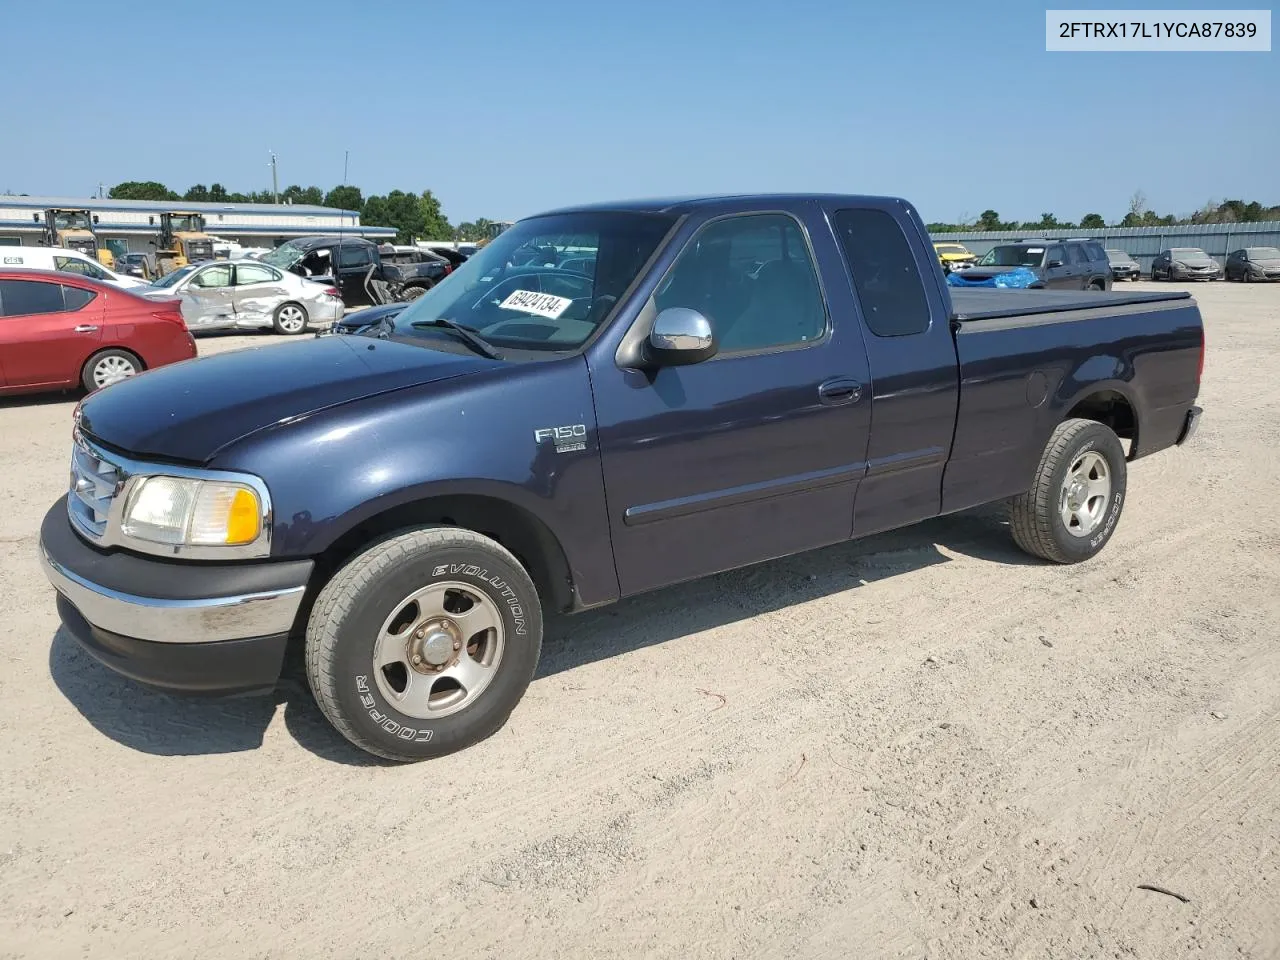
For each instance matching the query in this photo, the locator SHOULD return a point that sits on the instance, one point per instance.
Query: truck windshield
(283, 256)
(1012, 256)
(545, 283)
(186, 224)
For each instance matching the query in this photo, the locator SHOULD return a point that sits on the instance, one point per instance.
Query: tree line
(1139, 215)
(415, 216)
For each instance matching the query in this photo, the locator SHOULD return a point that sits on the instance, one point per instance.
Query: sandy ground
(921, 745)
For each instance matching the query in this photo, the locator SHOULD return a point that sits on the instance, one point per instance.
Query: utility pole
(275, 187)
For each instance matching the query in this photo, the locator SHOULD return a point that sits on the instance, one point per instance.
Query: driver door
(208, 301)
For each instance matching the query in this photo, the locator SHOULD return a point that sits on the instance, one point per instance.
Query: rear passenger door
(258, 290)
(914, 373)
(47, 331)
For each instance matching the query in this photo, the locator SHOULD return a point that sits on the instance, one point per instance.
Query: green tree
(345, 198)
(990, 220)
(197, 194)
(218, 193)
(297, 194)
(142, 190)
(1092, 221)
(436, 225)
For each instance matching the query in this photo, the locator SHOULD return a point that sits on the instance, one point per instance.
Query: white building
(131, 225)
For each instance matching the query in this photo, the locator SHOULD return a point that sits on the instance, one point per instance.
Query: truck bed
(1013, 304)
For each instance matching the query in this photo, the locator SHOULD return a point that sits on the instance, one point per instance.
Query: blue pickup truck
(603, 401)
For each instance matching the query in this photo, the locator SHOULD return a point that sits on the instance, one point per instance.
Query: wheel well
(527, 537)
(1112, 409)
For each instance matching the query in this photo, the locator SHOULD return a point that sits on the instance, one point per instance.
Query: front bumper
(189, 627)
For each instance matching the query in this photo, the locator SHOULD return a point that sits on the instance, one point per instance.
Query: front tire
(107, 367)
(1074, 503)
(290, 319)
(423, 644)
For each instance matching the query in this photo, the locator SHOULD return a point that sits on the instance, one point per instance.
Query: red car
(59, 331)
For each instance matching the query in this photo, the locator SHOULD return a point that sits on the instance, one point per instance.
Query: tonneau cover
(990, 304)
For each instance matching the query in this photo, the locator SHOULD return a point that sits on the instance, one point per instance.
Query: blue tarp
(1016, 277)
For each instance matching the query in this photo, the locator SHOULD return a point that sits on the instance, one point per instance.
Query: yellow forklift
(73, 230)
(493, 230)
(182, 241)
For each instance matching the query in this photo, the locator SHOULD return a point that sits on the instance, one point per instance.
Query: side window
(1095, 251)
(84, 268)
(21, 298)
(1055, 253)
(252, 273)
(1076, 253)
(752, 277)
(76, 298)
(219, 276)
(885, 274)
(353, 256)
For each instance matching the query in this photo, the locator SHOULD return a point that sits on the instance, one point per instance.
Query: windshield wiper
(478, 343)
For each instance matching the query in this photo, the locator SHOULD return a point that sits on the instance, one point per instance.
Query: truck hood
(189, 411)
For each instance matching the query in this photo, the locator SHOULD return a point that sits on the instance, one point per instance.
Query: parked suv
(1059, 264)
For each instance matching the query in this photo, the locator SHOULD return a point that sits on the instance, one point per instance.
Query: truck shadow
(157, 723)
(982, 533)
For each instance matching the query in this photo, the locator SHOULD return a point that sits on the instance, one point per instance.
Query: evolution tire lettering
(393, 727)
(503, 589)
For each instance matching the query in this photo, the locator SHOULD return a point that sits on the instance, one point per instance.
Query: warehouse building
(125, 226)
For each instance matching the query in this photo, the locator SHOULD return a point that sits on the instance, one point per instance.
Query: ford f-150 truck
(691, 386)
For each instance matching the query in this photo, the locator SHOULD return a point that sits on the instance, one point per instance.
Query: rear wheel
(1074, 503)
(424, 643)
(289, 319)
(107, 367)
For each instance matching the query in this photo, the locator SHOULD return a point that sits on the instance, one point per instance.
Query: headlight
(181, 511)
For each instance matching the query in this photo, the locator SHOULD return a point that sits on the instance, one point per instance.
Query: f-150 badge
(567, 439)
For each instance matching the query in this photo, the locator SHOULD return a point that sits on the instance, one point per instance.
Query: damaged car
(247, 294)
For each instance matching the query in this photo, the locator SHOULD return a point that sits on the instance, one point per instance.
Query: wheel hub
(434, 645)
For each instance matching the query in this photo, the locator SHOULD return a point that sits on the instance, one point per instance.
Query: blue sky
(504, 108)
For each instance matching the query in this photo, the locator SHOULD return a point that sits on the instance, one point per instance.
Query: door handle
(840, 390)
(85, 328)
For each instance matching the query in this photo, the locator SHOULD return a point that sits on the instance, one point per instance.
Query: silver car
(247, 294)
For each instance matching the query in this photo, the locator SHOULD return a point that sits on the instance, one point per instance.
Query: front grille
(95, 482)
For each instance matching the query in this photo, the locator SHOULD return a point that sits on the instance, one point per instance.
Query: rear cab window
(886, 277)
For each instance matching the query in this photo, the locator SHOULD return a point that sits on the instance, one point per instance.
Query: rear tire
(382, 621)
(1074, 503)
(290, 319)
(107, 367)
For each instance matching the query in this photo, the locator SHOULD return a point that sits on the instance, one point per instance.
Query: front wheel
(424, 643)
(289, 319)
(1074, 502)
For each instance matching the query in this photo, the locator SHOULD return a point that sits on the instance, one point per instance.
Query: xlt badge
(567, 439)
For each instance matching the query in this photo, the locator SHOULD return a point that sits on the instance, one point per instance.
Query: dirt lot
(921, 745)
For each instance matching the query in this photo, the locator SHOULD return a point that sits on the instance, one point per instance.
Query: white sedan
(247, 294)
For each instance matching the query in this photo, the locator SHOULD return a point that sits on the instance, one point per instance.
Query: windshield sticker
(1035, 249)
(543, 304)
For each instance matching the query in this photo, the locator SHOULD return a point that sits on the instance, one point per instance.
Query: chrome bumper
(176, 621)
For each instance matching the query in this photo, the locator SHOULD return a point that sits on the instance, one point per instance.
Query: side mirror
(1053, 263)
(680, 336)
